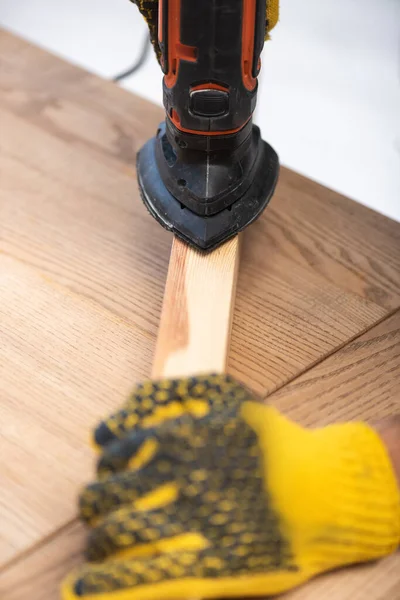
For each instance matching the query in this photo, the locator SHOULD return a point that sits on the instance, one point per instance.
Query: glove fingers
(133, 452)
(100, 581)
(154, 403)
(173, 441)
(134, 531)
(183, 574)
(140, 404)
(122, 489)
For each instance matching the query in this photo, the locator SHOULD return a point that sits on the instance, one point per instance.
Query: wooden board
(37, 575)
(196, 318)
(82, 276)
(370, 391)
(360, 381)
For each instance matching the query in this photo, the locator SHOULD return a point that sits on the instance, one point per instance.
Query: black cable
(140, 61)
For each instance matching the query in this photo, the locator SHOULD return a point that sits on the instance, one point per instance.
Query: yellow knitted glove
(149, 9)
(272, 15)
(204, 492)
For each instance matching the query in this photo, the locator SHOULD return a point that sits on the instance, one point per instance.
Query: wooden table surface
(83, 267)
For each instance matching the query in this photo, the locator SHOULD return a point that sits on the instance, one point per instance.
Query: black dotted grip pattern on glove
(217, 466)
(216, 391)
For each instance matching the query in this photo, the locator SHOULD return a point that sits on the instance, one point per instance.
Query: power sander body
(207, 173)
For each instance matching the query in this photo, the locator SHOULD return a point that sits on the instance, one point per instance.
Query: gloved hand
(204, 492)
(149, 9)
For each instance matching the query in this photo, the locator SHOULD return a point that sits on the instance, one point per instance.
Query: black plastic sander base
(205, 232)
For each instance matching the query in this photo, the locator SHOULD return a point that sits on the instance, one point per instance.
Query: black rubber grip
(208, 48)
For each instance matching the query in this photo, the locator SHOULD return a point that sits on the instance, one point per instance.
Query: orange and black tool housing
(207, 174)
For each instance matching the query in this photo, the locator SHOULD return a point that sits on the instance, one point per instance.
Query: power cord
(138, 64)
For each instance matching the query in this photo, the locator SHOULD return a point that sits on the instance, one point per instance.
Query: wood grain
(120, 263)
(97, 240)
(376, 581)
(286, 319)
(335, 237)
(322, 230)
(72, 104)
(57, 379)
(352, 384)
(360, 381)
(113, 132)
(196, 317)
(83, 273)
(37, 575)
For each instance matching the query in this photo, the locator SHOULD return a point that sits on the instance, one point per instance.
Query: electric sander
(207, 173)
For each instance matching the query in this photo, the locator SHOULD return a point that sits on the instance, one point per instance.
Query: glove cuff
(272, 14)
(364, 494)
(334, 488)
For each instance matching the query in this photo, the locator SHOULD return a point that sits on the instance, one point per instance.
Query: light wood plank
(196, 318)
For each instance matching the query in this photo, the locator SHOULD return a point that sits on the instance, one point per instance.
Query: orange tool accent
(249, 12)
(176, 50)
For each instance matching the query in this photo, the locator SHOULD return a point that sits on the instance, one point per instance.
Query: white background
(329, 92)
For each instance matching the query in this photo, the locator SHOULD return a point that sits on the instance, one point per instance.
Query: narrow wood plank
(196, 318)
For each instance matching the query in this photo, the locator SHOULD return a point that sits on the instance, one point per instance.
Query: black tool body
(207, 174)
